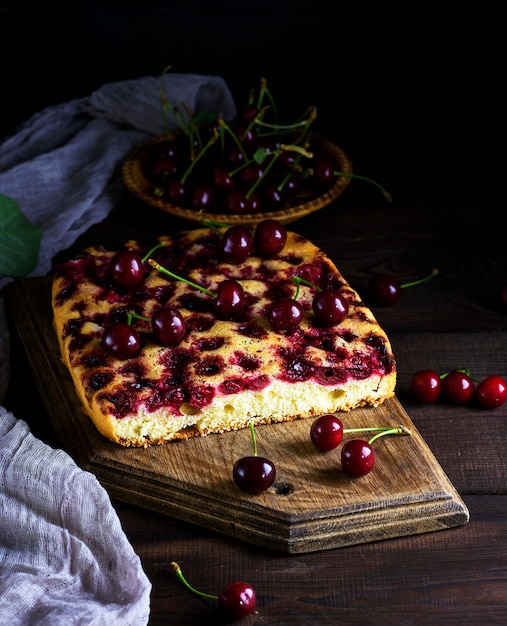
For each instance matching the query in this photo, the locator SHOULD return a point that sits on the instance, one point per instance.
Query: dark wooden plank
(456, 577)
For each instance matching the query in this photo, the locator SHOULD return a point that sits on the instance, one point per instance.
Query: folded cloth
(63, 167)
(64, 558)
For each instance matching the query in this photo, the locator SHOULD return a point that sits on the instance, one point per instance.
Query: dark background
(412, 91)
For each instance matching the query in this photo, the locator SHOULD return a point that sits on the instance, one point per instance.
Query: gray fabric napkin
(64, 559)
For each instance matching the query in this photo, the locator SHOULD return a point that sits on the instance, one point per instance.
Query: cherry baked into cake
(213, 328)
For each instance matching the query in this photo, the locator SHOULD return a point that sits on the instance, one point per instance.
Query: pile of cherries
(255, 164)
(127, 270)
(458, 387)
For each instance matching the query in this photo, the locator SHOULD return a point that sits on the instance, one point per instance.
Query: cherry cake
(213, 328)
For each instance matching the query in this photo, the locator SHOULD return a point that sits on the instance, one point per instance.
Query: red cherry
(168, 325)
(491, 392)
(121, 340)
(285, 314)
(230, 300)
(269, 238)
(326, 432)
(254, 474)
(235, 245)
(458, 387)
(237, 600)
(330, 307)
(384, 290)
(357, 457)
(426, 386)
(126, 269)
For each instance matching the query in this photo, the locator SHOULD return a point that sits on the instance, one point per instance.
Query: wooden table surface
(454, 576)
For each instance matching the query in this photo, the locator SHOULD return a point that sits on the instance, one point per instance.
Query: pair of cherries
(357, 455)
(458, 387)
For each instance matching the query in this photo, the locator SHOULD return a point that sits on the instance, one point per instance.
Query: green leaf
(19, 240)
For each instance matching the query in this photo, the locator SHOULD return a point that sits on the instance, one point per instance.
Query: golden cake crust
(224, 373)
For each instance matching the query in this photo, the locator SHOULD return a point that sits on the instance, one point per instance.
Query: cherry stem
(401, 430)
(433, 273)
(298, 280)
(182, 579)
(135, 315)
(160, 244)
(254, 438)
(189, 169)
(366, 429)
(386, 194)
(463, 370)
(164, 270)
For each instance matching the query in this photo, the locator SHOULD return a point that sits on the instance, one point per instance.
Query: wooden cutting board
(311, 506)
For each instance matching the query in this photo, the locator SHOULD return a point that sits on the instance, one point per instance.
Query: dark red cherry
(330, 307)
(221, 178)
(326, 432)
(121, 340)
(491, 392)
(126, 269)
(236, 245)
(168, 326)
(357, 458)
(254, 474)
(272, 196)
(175, 191)
(285, 314)
(323, 171)
(426, 386)
(384, 290)
(203, 197)
(237, 600)
(230, 300)
(269, 238)
(458, 387)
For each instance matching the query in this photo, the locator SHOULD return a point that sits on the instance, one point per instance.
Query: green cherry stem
(400, 430)
(302, 281)
(164, 270)
(386, 194)
(183, 580)
(160, 244)
(412, 283)
(254, 438)
(463, 370)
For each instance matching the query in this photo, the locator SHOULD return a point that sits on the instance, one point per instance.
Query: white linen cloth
(64, 558)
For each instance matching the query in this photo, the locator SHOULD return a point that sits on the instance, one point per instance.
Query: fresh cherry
(230, 299)
(326, 432)
(330, 307)
(126, 269)
(491, 392)
(458, 387)
(236, 245)
(269, 238)
(284, 314)
(168, 326)
(235, 601)
(386, 290)
(254, 474)
(426, 386)
(121, 340)
(357, 456)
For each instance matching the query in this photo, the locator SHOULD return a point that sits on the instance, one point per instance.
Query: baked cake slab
(226, 371)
